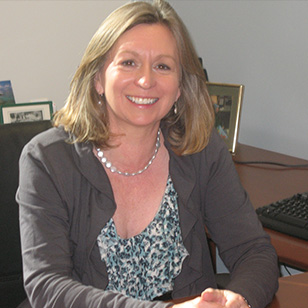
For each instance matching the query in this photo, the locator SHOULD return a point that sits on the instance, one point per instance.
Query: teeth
(142, 101)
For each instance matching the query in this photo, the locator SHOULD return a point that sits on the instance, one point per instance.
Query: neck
(135, 137)
(134, 152)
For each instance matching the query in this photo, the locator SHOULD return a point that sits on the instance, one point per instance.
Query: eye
(128, 63)
(163, 67)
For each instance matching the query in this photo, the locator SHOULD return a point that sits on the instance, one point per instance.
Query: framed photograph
(27, 112)
(227, 101)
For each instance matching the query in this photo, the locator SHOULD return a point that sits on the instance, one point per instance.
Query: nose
(146, 77)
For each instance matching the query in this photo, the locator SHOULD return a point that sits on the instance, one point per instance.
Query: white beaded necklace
(113, 169)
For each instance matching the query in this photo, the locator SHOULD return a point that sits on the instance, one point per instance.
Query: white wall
(261, 44)
(42, 42)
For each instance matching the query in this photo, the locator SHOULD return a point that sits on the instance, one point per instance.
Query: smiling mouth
(142, 101)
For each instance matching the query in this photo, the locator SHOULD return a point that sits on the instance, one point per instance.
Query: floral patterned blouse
(144, 266)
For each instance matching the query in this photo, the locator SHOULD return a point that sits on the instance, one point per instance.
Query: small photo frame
(6, 93)
(26, 112)
(227, 102)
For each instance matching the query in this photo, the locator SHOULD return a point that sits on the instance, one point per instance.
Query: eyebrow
(137, 54)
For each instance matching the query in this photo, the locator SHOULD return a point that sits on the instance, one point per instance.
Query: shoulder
(216, 150)
(49, 137)
(56, 150)
(214, 160)
(211, 157)
(216, 145)
(48, 145)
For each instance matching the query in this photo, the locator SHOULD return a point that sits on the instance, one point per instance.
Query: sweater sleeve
(242, 243)
(47, 249)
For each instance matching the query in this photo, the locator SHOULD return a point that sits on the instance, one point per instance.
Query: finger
(198, 303)
(214, 295)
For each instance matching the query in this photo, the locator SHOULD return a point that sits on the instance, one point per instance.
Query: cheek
(116, 82)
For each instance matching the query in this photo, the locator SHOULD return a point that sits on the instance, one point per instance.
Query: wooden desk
(266, 184)
(292, 293)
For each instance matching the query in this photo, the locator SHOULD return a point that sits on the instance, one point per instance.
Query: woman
(114, 200)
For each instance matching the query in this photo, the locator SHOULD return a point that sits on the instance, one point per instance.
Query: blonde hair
(188, 130)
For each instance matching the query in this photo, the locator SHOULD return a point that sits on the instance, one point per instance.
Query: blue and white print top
(144, 266)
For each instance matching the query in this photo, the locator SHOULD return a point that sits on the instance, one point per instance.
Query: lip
(142, 100)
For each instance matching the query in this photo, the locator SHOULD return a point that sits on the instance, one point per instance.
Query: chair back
(13, 137)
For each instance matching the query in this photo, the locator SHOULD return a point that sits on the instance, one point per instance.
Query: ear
(98, 83)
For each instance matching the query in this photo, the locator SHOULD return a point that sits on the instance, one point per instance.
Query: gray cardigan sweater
(65, 199)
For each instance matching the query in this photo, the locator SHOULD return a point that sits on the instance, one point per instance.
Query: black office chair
(13, 137)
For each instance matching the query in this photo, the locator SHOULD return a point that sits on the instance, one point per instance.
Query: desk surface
(292, 293)
(268, 183)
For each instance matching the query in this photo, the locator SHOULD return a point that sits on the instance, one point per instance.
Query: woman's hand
(225, 298)
(214, 298)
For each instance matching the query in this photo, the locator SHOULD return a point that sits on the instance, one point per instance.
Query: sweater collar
(183, 174)
(91, 168)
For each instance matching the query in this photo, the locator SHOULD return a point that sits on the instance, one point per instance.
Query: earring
(175, 108)
(102, 97)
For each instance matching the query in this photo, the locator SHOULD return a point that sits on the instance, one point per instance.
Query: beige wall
(262, 44)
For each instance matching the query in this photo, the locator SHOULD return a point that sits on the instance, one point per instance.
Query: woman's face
(140, 79)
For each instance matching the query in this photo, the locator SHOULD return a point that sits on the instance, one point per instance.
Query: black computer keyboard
(289, 216)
